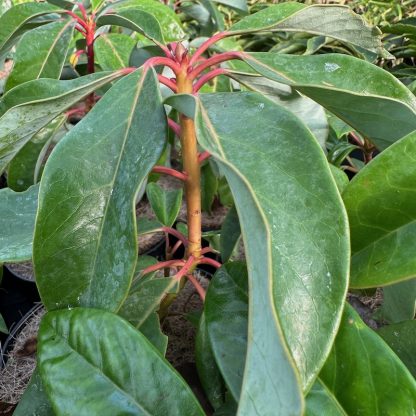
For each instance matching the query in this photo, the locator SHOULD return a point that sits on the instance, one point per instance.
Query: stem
(176, 234)
(169, 171)
(192, 168)
(206, 45)
(215, 60)
(203, 156)
(200, 290)
(166, 81)
(160, 60)
(162, 265)
(211, 262)
(207, 77)
(175, 127)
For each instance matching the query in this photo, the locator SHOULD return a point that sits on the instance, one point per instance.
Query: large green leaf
(226, 315)
(207, 367)
(23, 171)
(34, 104)
(169, 21)
(113, 50)
(230, 234)
(117, 370)
(134, 19)
(17, 222)
(293, 225)
(321, 402)
(34, 400)
(365, 376)
(239, 5)
(376, 104)
(338, 22)
(401, 338)
(311, 113)
(381, 206)
(41, 53)
(14, 22)
(85, 240)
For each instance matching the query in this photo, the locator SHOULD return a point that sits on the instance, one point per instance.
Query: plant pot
(18, 359)
(17, 297)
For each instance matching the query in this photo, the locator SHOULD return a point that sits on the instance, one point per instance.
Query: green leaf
(17, 222)
(86, 252)
(165, 203)
(3, 326)
(151, 329)
(238, 5)
(34, 104)
(399, 301)
(226, 315)
(311, 113)
(113, 50)
(118, 372)
(381, 207)
(206, 365)
(338, 22)
(294, 229)
(23, 170)
(375, 104)
(341, 178)
(168, 20)
(230, 234)
(14, 22)
(365, 376)
(401, 338)
(34, 400)
(209, 187)
(64, 4)
(320, 401)
(41, 53)
(134, 19)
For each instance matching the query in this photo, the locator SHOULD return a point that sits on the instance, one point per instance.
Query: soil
(21, 362)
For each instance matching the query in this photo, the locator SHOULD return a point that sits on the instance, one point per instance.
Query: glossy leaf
(399, 302)
(375, 104)
(401, 338)
(293, 224)
(169, 22)
(34, 104)
(34, 400)
(113, 50)
(134, 19)
(230, 234)
(118, 372)
(320, 401)
(366, 377)
(14, 22)
(338, 22)
(17, 223)
(166, 204)
(206, 365)
(152, 331)
(23, 170)
(91, 181)
(41, 53)
(311, 113)
(226, 315)
(381, 207)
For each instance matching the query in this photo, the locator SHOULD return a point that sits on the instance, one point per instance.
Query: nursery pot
(17, 297)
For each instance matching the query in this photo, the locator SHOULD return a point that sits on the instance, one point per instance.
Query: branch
(207, 77)
(176, 234)
(197, 286)
(175, 127)
(211, 262)
(169, 171)
(166, 81)
(160, 60)
(214, 60)
(206, 45)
